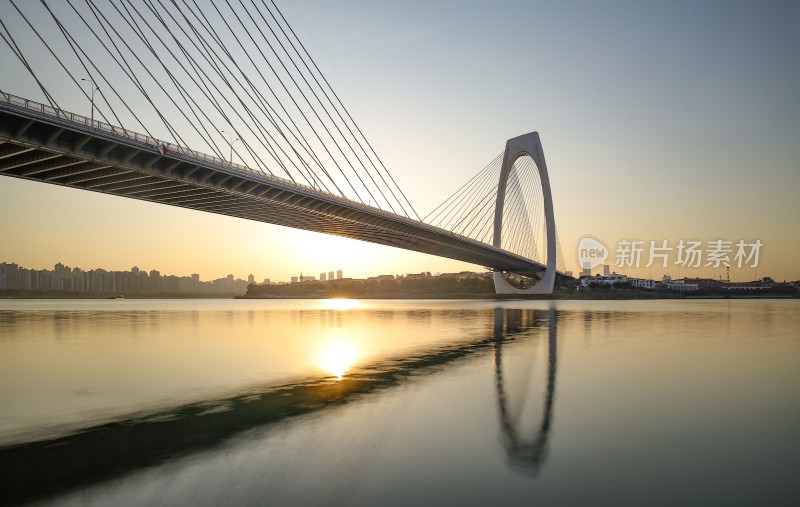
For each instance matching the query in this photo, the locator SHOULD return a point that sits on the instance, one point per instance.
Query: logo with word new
(591, 252)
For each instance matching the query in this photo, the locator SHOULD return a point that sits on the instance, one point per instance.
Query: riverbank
(57, 294)
(591, 295)
(585, 296)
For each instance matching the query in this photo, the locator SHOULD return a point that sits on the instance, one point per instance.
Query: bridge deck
(53, 146)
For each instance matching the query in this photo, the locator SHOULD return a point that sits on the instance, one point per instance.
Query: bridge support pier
(526, 145)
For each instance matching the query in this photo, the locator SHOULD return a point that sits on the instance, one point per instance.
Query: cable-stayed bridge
(305, 163)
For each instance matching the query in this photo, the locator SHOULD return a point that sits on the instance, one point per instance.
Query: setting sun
(341, 304)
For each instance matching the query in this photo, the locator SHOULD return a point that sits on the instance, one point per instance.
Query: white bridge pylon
(526, 145)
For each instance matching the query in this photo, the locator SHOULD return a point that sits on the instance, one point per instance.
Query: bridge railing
(118, 131)
(87, 122)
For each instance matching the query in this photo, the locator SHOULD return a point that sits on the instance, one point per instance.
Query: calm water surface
(332, 402)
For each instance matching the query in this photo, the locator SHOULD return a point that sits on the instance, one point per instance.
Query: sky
(659, 121)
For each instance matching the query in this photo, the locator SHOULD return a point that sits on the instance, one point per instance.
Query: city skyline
(60, 269)
(647, 134)
(64, 278)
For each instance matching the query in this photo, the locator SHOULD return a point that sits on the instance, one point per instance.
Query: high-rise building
(339, 274)
(251, 279)
(266, 281)
(170, 283)
(11, 272)
(606, 270)
(330, 275)
(323, 277)
(154, 282)
(294, 279)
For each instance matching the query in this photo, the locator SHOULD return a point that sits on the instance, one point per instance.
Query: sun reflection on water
(341, 304)
(337, 357)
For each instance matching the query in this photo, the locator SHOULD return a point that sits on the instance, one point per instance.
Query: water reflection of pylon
(529, 454)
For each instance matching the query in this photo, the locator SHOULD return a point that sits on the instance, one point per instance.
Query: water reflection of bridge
(529, 454)
(35, 470)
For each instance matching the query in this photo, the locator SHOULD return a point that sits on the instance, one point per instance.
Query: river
(378, 402)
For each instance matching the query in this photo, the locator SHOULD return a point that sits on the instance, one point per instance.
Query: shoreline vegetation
(417, 288)
(564, 295)
(482, 288)
(596, 296)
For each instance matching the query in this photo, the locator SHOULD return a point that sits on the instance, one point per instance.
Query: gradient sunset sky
(659, 121)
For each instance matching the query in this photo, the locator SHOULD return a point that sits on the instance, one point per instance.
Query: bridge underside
(51, 150)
